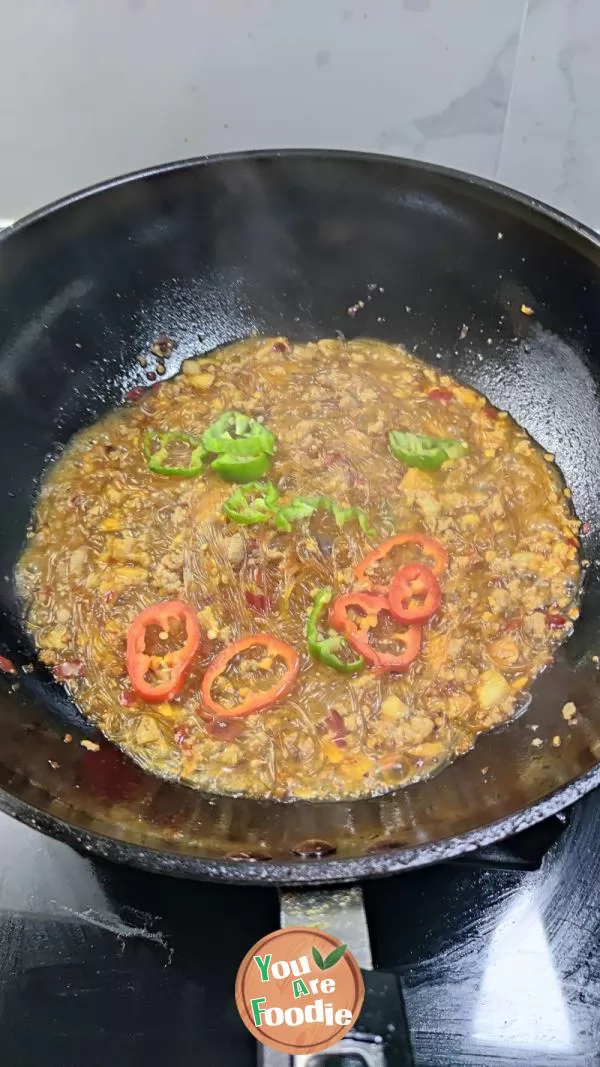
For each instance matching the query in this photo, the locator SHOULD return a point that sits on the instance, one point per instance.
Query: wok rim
(326, 869)
(466, 177)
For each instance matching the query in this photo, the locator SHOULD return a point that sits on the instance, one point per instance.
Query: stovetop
(499, 963)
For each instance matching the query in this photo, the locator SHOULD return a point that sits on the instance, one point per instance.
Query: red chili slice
(335, 723)
(259, 699)
(256, 601)
(69, 669)
(415, 593)
(430, 548)
(134, 394)
(256, 594)
(138, 391)
(177, 663)
(372, 606)
(444, 396)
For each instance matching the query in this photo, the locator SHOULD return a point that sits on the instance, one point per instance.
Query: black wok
(285, 243)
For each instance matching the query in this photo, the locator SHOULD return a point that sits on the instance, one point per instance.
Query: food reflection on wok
(311, 570)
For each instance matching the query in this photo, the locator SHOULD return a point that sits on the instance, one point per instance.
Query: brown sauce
(109, 538)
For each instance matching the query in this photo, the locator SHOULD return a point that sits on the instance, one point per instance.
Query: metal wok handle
(380, 1038)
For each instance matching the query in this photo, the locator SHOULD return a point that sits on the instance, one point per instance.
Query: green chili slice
(157, 446)
(241, 469)
(253, 504)
(325, 649)
(264, 507)
(304, 507)
(344, 515)
(235, 434)
(294, 512)
(426, 453)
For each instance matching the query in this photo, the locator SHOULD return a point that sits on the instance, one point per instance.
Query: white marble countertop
(506, 88)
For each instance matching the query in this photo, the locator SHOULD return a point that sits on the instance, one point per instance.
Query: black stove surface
(499, 962)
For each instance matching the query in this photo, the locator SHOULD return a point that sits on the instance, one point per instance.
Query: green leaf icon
(333, 957)
(330, 960)
(317, 957)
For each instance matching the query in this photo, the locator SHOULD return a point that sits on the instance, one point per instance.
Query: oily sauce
(111, 537)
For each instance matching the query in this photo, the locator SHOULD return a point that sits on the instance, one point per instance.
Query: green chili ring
(325, 648)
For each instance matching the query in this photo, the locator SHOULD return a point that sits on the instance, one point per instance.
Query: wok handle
(381, 1037)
